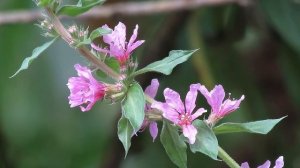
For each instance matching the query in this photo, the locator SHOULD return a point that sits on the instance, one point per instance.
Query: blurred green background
(252, 50)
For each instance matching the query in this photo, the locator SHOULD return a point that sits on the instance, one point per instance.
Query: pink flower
(182, 115)
(84, 89)
(151, 91)
(118, 47)
(279, 164)
(219, 107)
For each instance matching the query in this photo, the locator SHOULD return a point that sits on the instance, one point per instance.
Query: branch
(124, 8)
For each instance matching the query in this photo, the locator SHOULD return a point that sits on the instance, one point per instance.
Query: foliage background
(252, 50)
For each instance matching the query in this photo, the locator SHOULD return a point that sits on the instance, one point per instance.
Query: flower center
(185, 119)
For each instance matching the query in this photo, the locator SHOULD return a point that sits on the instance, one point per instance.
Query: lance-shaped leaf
(133, 106)
(81, 7)
(258, 127)
(206, 141)
(174, 145)
(99, 32)
(167, 64)
(35, 53)
(125, 132)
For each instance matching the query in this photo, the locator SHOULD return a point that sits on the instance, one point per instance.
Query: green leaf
(125, 132)
(206, 141)
(35, 53)
(81, 7)
(84, 42)
(174, 145)
(133, 106)
(167, 64)
(43, 3)
(284, 17)
(258, 127)
(99, 32)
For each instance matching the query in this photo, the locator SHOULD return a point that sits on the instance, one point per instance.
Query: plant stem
(227, 159)
(61, 30)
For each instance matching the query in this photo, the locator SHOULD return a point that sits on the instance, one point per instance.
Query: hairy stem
(61, 30)
(227, 159)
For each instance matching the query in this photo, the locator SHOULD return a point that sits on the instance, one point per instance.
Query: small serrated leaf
(133, 106)
(125, 132)
(81, 7)
(258, 127)
(35, 53)
(206, 141)
(166, 65)
(174, 145)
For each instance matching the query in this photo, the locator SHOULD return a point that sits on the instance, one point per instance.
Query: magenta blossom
(84, 89)
(118, 47)
(279, 164)
(219, 107)
(182, 115)
(151, 91)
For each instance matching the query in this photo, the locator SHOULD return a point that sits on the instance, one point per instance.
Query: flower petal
(151, 90)
(153, 130)
(120, 31)
(173, 100)
(133, 36)
(168, 112)
(279, 162)
(267, 164)
(217, 97)
(229, 106)
(83, 71)
(191, 97)
(190, 132)
(198, 113)
(99, 49)
(134, 46)
(245, 165)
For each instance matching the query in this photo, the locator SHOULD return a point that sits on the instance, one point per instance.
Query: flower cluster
(118, 47)
(182, 115)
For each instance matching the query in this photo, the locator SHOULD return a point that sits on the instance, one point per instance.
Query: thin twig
(124, 8)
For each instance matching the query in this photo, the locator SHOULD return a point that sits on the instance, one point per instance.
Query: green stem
(227, 159)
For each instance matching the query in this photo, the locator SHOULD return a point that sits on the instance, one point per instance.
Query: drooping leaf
(133, 106)
(81, 7)
(99, 32)
(167, 64)
(35, 53)
(174, 145)
(125, 132)
(206, 141)
(284, 17)
(258, 127)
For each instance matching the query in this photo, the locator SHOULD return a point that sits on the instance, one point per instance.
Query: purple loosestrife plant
(118, 47)
(151, 91)
(278, 164)
(139, 108)
(181, 114)
(219, 107)
(85, 89)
